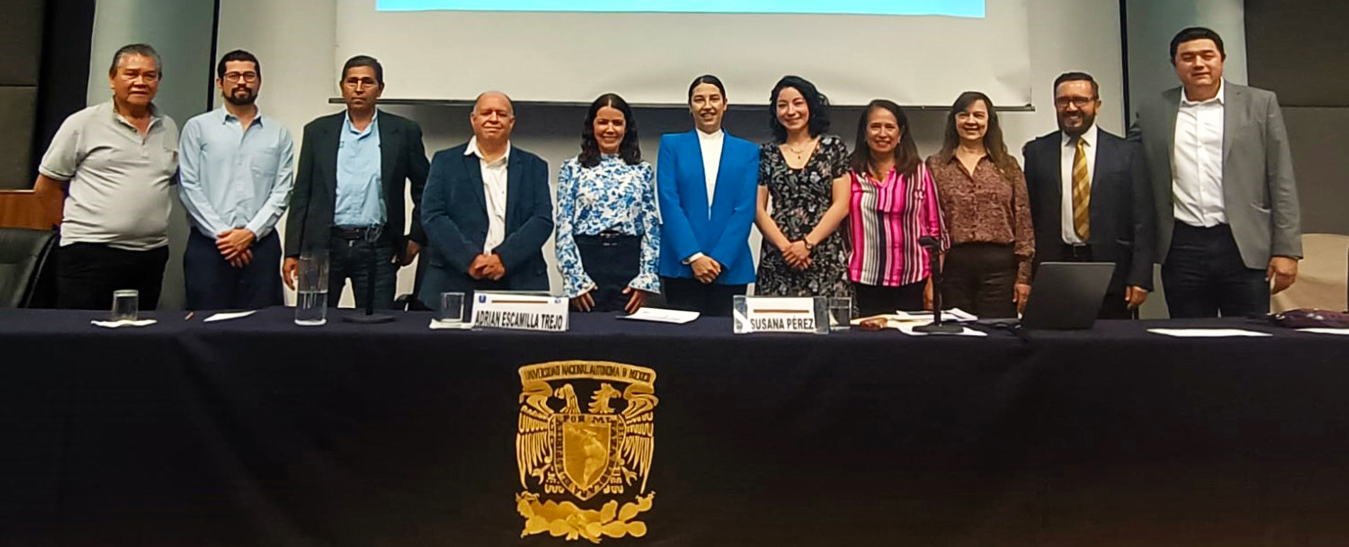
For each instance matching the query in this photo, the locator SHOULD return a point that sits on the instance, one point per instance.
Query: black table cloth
(259, 432)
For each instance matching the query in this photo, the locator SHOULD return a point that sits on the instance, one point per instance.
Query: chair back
(25, 266)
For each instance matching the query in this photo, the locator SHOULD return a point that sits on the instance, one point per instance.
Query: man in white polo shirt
(117, 160)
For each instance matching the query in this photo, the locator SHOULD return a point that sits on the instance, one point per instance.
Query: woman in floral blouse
(983, 199)
(608, 231)
(803, 176)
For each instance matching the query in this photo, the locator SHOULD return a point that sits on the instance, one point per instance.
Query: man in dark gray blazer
(349, 191)
(487, 212)
(1228, 221)
(1090, 198)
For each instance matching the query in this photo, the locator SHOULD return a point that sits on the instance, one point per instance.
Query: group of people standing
(1204, 186)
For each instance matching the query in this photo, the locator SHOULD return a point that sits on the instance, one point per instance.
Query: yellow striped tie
(1081, 193)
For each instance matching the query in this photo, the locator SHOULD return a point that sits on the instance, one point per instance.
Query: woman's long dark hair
(629, 149)
(993, 143)
(906, 152)
(816, 102)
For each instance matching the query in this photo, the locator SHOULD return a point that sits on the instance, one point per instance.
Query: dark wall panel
(1317, 136)
(17, 105)
(21, 41)
(1299, 48)
(21, 44)
(68, 27)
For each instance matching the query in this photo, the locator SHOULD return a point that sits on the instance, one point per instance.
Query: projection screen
(916, 52)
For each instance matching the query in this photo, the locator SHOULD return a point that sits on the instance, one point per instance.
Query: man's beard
(241, 101)
(1079, 130)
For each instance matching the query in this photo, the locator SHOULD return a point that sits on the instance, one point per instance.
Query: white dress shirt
(494, 190)
(711, 146)
(1066, 155)
(1197, 162)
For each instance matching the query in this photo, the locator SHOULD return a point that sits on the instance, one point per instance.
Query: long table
(259, 432)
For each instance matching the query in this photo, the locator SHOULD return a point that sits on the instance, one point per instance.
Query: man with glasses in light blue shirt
(235, 171)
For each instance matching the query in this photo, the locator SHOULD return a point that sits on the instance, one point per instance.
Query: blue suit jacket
(454, 216)
(687, 228)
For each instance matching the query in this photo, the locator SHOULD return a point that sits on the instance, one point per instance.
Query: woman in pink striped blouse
(894, 202)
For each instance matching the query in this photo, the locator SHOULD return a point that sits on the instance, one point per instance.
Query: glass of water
(125, 305)
(840, 313)
(311, 286)
(451, 308)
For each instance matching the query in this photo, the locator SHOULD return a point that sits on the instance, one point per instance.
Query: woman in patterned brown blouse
(983, 199)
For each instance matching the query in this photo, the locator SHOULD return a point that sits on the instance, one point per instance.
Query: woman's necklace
(802, 152)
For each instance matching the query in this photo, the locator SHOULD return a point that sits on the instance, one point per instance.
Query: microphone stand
(933, 246)
(370, 317)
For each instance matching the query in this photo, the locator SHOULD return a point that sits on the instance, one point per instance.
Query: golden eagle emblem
(571, 456)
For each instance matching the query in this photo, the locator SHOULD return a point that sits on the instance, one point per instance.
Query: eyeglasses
(249, 77)
(1079, 102)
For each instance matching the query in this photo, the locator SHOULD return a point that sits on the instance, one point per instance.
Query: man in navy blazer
(487, 211)
(707, 182)
(1113, 206)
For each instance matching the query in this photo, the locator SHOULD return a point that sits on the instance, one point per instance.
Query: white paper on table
(226, 316)
(123, 323)
(921, 317)
(1209, 333)
(1323, 330)
(661, 315)
(450, 325)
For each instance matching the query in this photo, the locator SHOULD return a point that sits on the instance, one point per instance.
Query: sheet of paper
(922, 317)
(1322, 330)
(660, 315)
(226, 316)
(450, 325)
(1209, 333)
(124, 323)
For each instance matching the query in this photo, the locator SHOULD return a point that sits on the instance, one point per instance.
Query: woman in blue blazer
(708, 183)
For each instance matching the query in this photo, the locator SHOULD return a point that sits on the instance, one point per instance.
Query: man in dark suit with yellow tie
(1090, 199)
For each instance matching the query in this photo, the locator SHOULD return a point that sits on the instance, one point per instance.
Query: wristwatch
(809, 246)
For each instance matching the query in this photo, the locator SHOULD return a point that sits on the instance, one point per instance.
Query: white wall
(295, 41)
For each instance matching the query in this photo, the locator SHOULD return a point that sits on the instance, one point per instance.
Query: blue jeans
(352, 258)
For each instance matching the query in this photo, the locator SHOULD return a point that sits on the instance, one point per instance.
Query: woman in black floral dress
(803, 177)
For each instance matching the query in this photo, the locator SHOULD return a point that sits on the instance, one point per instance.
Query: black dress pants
(90, 272)
(980, 278)
(689, 294)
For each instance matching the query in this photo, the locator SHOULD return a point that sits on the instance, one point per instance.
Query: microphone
(933, 246)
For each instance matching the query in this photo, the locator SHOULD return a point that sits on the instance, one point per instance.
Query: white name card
(779, 314)
(514, 311)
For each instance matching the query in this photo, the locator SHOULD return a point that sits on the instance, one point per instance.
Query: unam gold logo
(568, 457)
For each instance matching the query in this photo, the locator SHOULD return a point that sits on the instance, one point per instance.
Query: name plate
(514, 311)
(778, 314)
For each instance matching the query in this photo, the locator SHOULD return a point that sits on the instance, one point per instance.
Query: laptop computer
(1067, 295)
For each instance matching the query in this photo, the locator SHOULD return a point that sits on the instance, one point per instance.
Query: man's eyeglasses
(1079, 102)
(249, 77)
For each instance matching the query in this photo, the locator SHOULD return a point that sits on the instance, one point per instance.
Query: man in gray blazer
(1222, 176)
